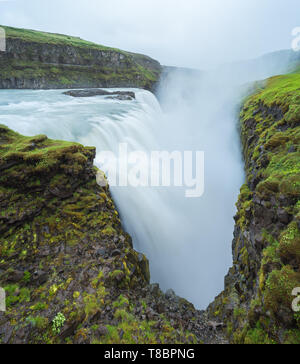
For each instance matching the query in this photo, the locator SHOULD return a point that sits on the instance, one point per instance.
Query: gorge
(98, 280)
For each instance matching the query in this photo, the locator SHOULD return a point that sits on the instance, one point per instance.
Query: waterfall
(187, 240)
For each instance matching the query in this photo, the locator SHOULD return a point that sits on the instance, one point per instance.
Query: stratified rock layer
(38, 60)
(257, 302)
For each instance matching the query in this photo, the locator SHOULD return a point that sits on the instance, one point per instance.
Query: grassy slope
(52, 38)
(134, 74)
(284, 168)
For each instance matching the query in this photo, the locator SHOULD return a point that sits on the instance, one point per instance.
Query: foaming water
(187, 241)
(180, 236)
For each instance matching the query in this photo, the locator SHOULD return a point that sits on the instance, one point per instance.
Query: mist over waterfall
(187, 240)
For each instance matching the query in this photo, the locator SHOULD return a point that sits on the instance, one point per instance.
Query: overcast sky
(191, 33)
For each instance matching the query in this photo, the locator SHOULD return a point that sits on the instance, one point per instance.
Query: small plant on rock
(58, 323)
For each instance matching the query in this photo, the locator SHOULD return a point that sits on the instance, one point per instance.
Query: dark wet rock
(116, 253)
(170, 294)
(275, 111)
(284, 217)
(120, 98)
(6, 332)
(215, 325)
(69, 329)
(40, 277)
(101, 252)
(155, 290)
(86, 93)
(292, 149)
(119, 95)
(102, 331)
(15, 276)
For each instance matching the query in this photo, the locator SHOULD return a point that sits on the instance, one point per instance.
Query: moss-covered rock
(40, 60)
(69, 270)
(257, 302)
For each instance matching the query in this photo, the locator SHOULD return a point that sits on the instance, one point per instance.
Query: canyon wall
(68, 268)
(256, 304)
(38, 60)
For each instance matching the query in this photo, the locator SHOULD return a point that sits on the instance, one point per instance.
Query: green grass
(283, 90)
(90, 70)
(36, 148)
(66, 40)
(282, 173)
(36, 154)
(52, 38)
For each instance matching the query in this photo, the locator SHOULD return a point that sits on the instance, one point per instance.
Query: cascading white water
(180, 236)
(188, 241)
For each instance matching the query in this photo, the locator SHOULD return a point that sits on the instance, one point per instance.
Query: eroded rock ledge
(39, 60)
(68, 268)
(118, 95)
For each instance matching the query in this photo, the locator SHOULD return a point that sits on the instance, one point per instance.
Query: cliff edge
(40, 60)
(257, 302)
(68, 268)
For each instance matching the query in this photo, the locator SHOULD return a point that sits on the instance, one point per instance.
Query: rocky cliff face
(69, 270)
(40, 60)
(256, 304)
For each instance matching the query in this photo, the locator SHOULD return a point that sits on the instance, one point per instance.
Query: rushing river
(187, 240)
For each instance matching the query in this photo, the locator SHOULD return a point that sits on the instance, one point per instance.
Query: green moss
(93, 69)
(244, 256)
(51, 38)
(64, 219)
(133, 331)
(257, 336)
(26, 277)
(39, 306)
(121, 302)
(279, 287)
(267, 237)
(292, 337)
(16, 295)
(110, 231)
(38, 322)
(239, 313)
(289, 247)
(281, 90)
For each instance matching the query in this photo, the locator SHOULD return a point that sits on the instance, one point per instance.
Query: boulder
(118, 95)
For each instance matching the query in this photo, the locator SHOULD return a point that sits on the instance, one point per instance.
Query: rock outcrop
(69, 270)
(119, 95)
(256, 304)
(38, 60)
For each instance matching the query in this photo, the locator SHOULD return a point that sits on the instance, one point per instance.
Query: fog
(201, 112)
(193, 33)
(188, 240)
